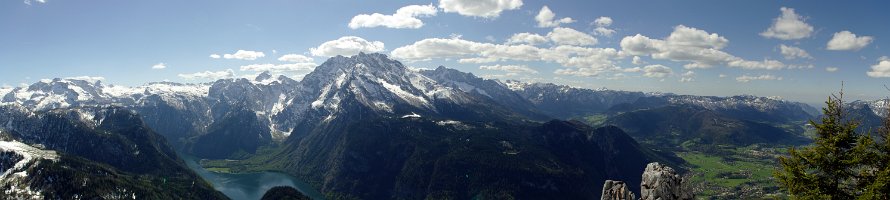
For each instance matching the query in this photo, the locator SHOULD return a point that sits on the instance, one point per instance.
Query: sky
(797, 50)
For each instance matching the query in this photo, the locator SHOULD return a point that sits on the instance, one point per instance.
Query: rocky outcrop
(661, 182)
(616, 190)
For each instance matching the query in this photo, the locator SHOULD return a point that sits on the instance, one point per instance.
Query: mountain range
(368, 127)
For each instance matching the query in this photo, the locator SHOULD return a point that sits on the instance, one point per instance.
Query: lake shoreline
(248, 186)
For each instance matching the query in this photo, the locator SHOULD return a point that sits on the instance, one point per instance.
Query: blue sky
(730, 47)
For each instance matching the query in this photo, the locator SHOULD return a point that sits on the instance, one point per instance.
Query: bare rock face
(616, 190)
(661, 182)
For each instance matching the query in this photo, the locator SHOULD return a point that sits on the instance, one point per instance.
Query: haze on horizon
(799, 50)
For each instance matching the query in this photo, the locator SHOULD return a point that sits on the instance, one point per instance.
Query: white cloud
(38, 1)
(588, 61)
(602, 24)
(527, 38)
(692, 37)
(633, 69)
(215, 56)
(439, 48)
(159, 66)
(405, 17)
(91, 79)
(347, 46)
(637, 60)
(604, 31)
(209, 75)
(685, 44)
(242, 55)
(689, 76)
(788, 26)
(746, 78)
(657, 71)
(296, 58)
(510, 68)
(559, 36)
(280, 67)
(831, 69)
(579, 72)
(568, 36)
(847, 41)
(791, 52)
(603, 21)
(545, 18)
(880, 70)
(807, 66)
(479, 8)
(765, 64)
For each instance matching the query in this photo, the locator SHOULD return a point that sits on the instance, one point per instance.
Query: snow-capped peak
(375, 81)
(90, 91)
(515, 85)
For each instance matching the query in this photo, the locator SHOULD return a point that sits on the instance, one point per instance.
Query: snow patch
(120, 91)
(412, 115)
(382, 106)
(14, 176)
(448, 122)
(515, 85)
(407, 96)
(4, 91)
(197, 90)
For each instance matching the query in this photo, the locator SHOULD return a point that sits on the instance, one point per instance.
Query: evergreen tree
(837, 166)
(878, 178)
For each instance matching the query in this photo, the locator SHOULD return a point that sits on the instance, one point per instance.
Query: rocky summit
(661, 182)
(616, 190)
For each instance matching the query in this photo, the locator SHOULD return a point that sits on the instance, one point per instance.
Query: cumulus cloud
(584, 61)
(602, 24)
(657, 71)
(527, 38)
(831, 69)
(603, 21)
(405, 17)
(637, 60)
(788, 26)
(880, 70)
(568, 36)
(847, 41)
(791, 52)
(159, 66)
(545, 18)
(296, 58)
(241, 55)
(685, 44)
(689, 76)
(229, 73)
(479, 8)
(559, 36)
(279, 67)
(510, 68)
(604, 31)
(746, 78)
(215, 56)
(347, 46)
